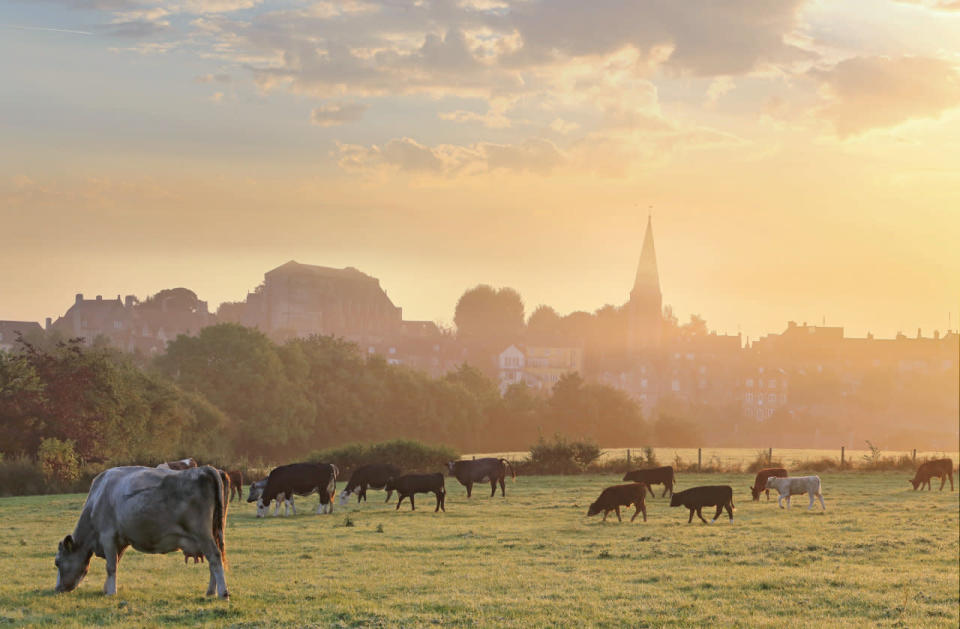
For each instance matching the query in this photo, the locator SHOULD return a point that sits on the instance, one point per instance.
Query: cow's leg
(700, 515)
(650, 489)
(469, 489)
(717, 514)
(666, 486)
(605, 512)
(788, 501)
(950, 476)
(443, 500)
(780, 500)
(399, 501)
(437, 494)
(729, 510)
(619, 519)
(641, 508)
(112, 554)
(503, 487)
(413, 506)
(389, 493)
(690, 519)
(768, 494)
(218, 581)
(493, 486)
(812, 498)
(943, 481)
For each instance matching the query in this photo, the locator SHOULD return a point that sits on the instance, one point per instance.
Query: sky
(801, 159)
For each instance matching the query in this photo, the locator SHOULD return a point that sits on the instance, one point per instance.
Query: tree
(489, 316)
(544, 327)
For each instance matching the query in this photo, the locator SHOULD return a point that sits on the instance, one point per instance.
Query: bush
(21, 476)
(560, 456)
(59, 462)
(406, 454)
(761, 461)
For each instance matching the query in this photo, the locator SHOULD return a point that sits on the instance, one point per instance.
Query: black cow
(479, 470)
(612, 498)
(654, 476)
(302, 479)
(410, 484)
(374, 475)
(720, 496)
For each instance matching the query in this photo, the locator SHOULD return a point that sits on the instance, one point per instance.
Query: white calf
(795, 485)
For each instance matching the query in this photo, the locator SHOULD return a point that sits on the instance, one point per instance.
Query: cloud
(214, 78)
(937, 5)
(864, 93)
(447, 160)
(337, 113)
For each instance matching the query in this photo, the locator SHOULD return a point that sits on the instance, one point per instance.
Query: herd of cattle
(180, 505)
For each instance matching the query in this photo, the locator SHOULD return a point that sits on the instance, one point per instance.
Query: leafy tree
(488, 320)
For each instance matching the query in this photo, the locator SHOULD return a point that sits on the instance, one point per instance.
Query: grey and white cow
(794, 486)
(155, 511)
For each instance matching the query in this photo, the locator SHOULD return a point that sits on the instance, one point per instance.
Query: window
(749, 398)
(772, 384)
(749, 412)
(771, 398)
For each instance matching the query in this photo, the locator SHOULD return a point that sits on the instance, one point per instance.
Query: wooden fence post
(628, 456)
(843, 456)
(914, 455)
(769, 456)
(699, 458)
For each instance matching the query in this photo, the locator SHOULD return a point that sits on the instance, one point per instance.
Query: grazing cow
(302, 479)
(236, 484)
(939, 468)
(654, 476)
(374, 475)
(794, 486)
(155, 511)
(760, 482)
(612, 498)
(182, 464)
(720, 496)
(478, 470)
(256, 490)
(409, 484)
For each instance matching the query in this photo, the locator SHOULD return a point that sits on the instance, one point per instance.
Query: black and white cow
(155, 511)
(301, 479)
(374, 475)
(479, 470)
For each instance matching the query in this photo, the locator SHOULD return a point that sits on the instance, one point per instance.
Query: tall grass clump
(560, 456)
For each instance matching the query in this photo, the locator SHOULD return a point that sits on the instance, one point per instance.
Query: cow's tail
(512, 471)
(220, 517)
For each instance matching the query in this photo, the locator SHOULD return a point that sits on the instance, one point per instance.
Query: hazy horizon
(802, 163)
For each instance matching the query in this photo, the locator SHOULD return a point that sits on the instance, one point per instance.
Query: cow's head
(451, 465)
(594, 509)
(675, 500)
(262, 508)
(256, 489)
(390, 485)
(345, 495)
(755, 490)
(72, 563)
(915, 482)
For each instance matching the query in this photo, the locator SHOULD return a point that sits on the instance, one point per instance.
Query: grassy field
(882, 554)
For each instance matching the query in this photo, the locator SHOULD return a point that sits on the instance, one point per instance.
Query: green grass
(882, 555)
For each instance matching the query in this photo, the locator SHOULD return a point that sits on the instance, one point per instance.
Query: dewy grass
(881, 555)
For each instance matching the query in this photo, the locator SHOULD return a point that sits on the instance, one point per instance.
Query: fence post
(699, 458)
(843, 456)
(769, 455)
(628, 457)
(914, 455)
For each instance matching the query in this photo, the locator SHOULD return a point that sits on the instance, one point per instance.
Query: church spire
(647, 281)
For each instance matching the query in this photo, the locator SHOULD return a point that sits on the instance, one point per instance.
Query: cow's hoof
(226, 596)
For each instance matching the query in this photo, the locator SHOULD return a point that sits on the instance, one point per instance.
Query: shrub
(560, 456)
(762, 461)
(21, 476)
(406, 454)
(59, 462)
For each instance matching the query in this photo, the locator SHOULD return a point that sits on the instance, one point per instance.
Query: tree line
(230, 391)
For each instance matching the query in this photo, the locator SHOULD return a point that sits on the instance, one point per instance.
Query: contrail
(45, 28)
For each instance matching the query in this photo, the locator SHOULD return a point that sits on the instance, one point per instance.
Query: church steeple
(646, 301)
(647, 281)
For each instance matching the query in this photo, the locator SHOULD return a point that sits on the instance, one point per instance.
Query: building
(511, 363)
(298, 300)
(645, 307)
(10, 331)
(537, 367)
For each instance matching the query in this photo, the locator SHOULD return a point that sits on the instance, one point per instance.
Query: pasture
(882, 554)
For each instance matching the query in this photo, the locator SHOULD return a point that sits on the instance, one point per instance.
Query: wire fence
(733, 458)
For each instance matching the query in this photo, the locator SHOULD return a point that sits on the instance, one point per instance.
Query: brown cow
(236, 484)
(612, 498)
(760, 482)
(939, 468)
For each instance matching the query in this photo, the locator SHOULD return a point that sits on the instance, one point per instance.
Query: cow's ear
(67, 543)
